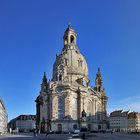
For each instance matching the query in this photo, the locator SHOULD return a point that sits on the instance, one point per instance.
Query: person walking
(47, 133)
(35, 132)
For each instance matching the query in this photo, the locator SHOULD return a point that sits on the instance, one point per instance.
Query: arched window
(72, 39)
(66, 62)
(81, 63)
(89, 105)
(60, 72)
(60, 107)
(99, 88)
(60, 77)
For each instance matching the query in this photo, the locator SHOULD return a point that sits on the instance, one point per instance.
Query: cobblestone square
(99, 136)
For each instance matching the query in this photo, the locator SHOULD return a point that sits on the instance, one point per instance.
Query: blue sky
(31, 33)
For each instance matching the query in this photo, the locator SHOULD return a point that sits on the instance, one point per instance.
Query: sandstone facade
(62, 100)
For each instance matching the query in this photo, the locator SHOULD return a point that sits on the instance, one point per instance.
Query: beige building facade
(3, 118)
(68, 97)
(134, 122)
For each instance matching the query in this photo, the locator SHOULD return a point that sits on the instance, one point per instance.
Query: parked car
(76, 134)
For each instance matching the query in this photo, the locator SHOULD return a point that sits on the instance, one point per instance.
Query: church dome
(70, 64)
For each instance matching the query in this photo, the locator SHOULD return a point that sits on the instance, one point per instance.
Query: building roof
(116, 113)
(124, 114)
(23, 117)
(121, 113)
(69, 28)
(133, 115)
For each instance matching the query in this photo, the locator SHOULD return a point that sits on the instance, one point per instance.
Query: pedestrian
(47, 133)
(35, 132)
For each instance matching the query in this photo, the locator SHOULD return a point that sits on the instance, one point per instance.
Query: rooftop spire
(98, 75)
(69, 28)
(98, 69)
(44, 84)
(99, 72)
(69, 25)
(44, 80)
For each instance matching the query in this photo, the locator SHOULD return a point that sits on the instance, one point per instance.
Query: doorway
(59, 127)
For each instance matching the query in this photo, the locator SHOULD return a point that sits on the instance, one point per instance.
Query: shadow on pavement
(16, 137)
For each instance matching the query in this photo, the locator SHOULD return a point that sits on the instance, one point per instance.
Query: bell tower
(99, 81)
(69, 38)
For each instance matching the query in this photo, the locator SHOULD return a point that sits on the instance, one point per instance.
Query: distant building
(3, 118)
(118, 120)
(23, 123)
(134, 122)
(125, 121)
(63, 101)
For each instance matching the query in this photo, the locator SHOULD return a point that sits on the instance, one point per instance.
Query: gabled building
(63, 101)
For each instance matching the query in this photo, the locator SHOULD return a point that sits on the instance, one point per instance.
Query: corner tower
(99, 81)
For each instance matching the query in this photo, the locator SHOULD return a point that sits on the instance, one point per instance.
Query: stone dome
(70, 64)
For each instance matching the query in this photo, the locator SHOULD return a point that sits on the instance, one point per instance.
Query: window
(99, 88)
(99, 127)
(60, 77)
(71, 39)
(80, 63)
(66, 62)
(60, 107)
(66, 40)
